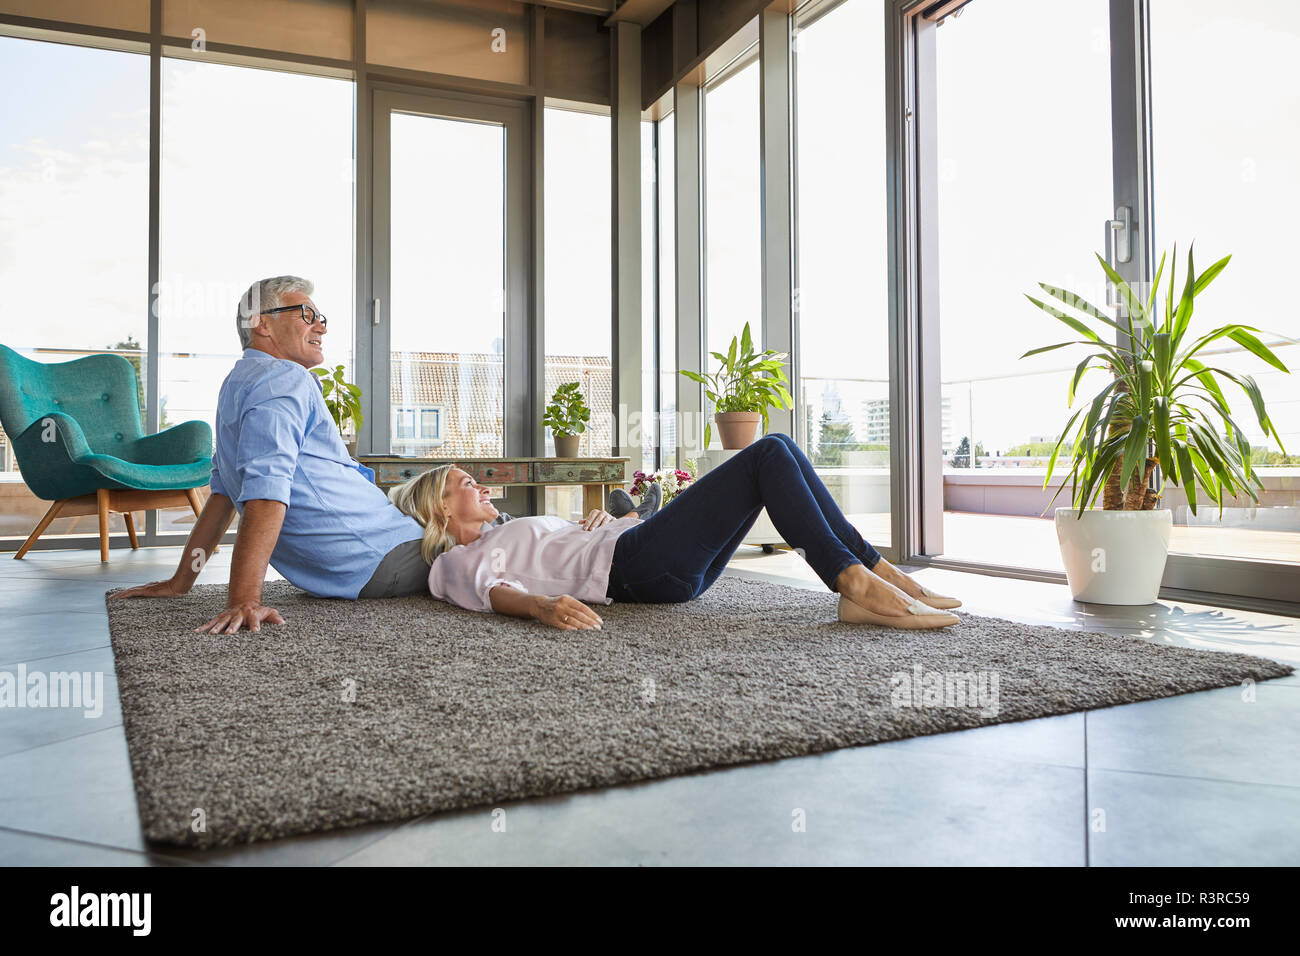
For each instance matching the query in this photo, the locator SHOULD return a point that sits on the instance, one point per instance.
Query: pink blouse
(542, 555)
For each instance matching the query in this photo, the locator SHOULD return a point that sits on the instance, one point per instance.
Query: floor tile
(80, 788)
(1215, 734)
(61, 717)
(1152, 820)
(1057, 741)
(53, 596)
(23, 637)
(867, 805)
(26, 849)
(313, 849)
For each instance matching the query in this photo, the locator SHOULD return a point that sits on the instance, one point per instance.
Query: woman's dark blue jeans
(680, 551)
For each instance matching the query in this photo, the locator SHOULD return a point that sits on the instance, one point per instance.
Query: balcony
(992, 515)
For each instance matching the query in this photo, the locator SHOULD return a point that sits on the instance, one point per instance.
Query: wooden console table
(596, 475)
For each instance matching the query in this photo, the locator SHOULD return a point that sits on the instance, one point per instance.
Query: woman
(546, 567)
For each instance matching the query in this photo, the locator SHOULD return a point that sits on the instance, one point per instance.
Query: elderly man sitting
(306, 507)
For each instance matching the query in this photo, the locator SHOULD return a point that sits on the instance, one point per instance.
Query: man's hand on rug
(155, 589)
(567, 613)
(250, 615)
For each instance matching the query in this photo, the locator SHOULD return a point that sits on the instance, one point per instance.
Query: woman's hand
(567, 613)
(596, 519)
(156, 589)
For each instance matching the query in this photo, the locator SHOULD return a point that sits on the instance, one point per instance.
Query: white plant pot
(1114, 557)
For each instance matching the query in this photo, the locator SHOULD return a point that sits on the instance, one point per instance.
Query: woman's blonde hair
(421, 498)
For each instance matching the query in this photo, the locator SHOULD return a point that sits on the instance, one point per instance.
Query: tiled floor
(1208, 778)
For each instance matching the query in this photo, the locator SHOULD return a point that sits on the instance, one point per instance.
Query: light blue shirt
(276, 440)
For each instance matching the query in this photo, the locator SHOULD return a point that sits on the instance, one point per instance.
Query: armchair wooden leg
(50, 515)
(103, 525)
(196, 503)
(130, 530)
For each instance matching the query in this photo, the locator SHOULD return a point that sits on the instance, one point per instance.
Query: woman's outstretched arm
(565, 612)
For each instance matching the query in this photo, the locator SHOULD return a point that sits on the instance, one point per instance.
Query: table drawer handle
(490, 472)
(408, 473)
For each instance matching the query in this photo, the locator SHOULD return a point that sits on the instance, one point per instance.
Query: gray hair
(262, 295)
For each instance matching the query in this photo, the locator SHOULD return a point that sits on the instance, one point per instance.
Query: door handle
(375, 316)
(1119, 249)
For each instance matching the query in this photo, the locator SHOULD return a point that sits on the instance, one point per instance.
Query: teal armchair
(77, 437)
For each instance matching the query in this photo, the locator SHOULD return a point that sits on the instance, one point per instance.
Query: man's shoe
(620, 503)
(650, 500)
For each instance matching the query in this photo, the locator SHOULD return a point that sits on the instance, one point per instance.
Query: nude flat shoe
(938, 600)
(920, 616)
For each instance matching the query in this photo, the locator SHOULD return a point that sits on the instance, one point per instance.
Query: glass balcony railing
(994, 500)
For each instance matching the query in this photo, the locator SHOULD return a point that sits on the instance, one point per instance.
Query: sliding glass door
(1226, 173)
(1022, 193)
(1045, 135)
(842, 418)
(449, 233)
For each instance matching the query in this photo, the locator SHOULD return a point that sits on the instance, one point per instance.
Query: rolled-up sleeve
(464, 576)
(214, 482)
(271, 432)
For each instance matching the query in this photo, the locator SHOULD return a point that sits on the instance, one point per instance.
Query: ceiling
(641, 12)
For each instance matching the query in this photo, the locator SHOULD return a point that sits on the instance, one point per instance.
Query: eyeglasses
(309, 315)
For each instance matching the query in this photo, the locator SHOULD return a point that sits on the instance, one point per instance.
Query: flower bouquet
(671, 481)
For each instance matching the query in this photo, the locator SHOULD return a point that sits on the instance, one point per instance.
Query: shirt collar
(252, 353)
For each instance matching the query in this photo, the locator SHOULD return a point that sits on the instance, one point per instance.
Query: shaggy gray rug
(352, 713)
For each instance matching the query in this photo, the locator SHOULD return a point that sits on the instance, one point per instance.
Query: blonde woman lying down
(551, 570)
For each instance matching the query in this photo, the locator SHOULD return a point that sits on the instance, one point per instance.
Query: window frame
(1223, 581)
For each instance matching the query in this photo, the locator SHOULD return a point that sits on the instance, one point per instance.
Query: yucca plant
(1163, 406)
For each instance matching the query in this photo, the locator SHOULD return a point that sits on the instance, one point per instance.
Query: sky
(1024, 169)
(1025, 187)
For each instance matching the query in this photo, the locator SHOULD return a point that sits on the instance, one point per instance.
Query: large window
(667, 256)
(578, 264)
(446, 318)
(841, 282)
(732, 211)
(649, 360)
(1025, 183)
(256, 181)
(1226, 173)
(74, 214)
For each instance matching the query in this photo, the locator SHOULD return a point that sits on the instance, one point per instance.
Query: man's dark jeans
(679, 552)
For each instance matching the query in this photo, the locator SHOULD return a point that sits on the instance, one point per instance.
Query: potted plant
(343, 399)
(567, 417)
(745, 385)
(1162, 406)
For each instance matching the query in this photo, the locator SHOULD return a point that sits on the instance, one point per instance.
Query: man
(306, 507)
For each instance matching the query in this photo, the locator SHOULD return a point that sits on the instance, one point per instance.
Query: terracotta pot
(351, 447)
(737, 429)
(566, 446)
